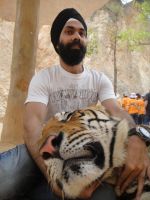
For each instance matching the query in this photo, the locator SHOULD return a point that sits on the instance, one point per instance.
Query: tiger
(85, 146)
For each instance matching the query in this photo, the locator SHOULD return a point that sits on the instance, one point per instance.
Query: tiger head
(80, 148)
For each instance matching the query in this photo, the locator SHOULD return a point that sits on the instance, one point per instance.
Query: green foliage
(115, 8)
(136, 37)
(92, 42)
(133, 36)
(144, 8)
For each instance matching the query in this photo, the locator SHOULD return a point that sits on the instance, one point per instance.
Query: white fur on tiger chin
(145, 196)
(75, 184)
(78, 183)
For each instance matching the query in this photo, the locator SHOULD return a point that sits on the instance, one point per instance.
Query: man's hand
(87, 193)
(136, 165)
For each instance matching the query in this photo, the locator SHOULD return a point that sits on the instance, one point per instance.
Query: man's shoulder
(47, 70)
(94, 71)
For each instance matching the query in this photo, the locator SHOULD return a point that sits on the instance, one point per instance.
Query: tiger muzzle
(50, 149)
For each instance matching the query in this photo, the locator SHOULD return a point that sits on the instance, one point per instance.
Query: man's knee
(16, 171)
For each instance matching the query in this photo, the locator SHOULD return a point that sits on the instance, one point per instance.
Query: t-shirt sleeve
(106, 90)
(38, 88)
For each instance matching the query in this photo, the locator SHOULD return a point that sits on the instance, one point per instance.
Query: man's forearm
(113, 109)
(31, 141)
(34, 151)
(124, 115)
(33, 121)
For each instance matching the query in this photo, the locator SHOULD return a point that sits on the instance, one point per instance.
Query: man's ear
(57, 46)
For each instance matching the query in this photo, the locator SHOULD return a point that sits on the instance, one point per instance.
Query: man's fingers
(87, 193)
(140, 185)
(127, 171)
(148, 172)
(128, 180)
(135, 167)
(123, 177)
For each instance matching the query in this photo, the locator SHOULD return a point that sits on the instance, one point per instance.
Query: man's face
(72, 43)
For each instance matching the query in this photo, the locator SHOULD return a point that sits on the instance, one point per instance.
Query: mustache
(75, 42)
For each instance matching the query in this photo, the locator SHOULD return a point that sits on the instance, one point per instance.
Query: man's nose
(50, 147)
(76, 36)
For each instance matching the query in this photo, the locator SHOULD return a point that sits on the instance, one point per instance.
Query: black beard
(72, 56)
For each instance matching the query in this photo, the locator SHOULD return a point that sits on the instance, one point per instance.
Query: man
(125, 101)
(147, 107)
(141, 108)
(133, 107)
(66, 87)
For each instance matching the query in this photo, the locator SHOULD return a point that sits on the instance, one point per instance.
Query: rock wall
(133, 66)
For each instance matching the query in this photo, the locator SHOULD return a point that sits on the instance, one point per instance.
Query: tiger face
(82, 147)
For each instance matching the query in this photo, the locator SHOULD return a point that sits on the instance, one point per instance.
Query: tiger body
(89, 145)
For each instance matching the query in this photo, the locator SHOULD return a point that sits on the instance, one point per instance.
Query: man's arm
(34, 117)
(137, 160)
(112, 108)
(146, 102)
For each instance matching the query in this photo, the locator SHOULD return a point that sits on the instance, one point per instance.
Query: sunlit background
(126, 1)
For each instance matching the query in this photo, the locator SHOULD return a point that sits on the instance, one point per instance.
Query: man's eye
(69, 32)
(82, 34)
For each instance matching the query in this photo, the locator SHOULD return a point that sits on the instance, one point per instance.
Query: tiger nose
(50, 147)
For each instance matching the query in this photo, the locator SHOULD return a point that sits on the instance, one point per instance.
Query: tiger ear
(64, 116)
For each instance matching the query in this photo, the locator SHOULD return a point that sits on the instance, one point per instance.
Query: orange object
(141, 106)
(133, 106)
(125, 102)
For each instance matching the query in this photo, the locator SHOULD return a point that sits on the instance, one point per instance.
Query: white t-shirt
(64, 91)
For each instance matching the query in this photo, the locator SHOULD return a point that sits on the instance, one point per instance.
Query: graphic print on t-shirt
(72, 99)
